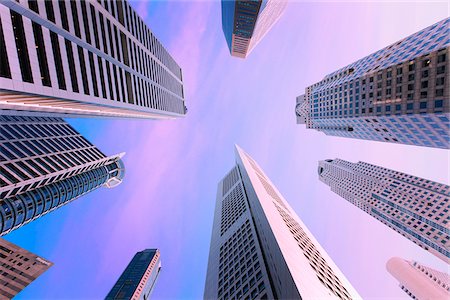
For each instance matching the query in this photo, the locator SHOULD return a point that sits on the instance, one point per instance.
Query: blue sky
(172, 167)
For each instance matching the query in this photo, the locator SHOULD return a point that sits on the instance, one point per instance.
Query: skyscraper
(85, 58)
(418, 281)
(260, 249)
(415, 207)
(398, 94)
(245, 23)
(19, 268)
(44, 164)
(139, 278)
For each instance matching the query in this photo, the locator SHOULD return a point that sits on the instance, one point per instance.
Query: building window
(440, 70)
(409, 106)
(102, 77)
(423, 105)
(438, 103)
(76, 23)
(50, 11)
(83, 70)
(63, 12)
(93, 73)
(94, 25)
(103, 32)
(116, 86)
(87, 30)
(4, 63)
(111, 48)
(440, 80)
(72, 70)
(33, 5)
(41, 55)
(124, 48)
(119, 4)
(388, 108)
(129, 87)
(441, 58)
(58, 61)
(109, 78)
(21, 46)
(439, 92)
(424, 84)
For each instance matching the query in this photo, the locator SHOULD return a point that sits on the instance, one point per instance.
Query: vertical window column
(4, 63)
(58, 60)
(21, 46)
(41, 54)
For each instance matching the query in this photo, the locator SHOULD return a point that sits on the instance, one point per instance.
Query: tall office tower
(19, 268)
(246, 22)
(45, 164)
(418, 281)
(398, 94)
(85, 58)
(139, 278)
(416, 208)
(260, 249)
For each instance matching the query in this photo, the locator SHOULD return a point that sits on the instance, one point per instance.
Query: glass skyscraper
(414, 207)
(85, 58)
(18, 268)
(138, 279)
(260, 249)
(419, 281)
(44, 164)
(399, 94)
(245, 23)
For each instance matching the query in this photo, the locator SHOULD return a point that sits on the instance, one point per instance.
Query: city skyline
(85, 59)
(260, 249)
(172, 209)
(416, 208)
(397, 94)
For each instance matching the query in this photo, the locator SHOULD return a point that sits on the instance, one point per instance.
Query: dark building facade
(138, 279)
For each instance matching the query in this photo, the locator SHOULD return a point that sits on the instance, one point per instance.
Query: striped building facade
(85, 58)
(45, 164)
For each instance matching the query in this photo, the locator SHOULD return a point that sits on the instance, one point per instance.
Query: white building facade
(418, 281)
(399, 94)
(85, 58)
(260, 249)
(414, 207)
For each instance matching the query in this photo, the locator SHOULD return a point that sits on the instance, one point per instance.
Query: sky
(167, 198)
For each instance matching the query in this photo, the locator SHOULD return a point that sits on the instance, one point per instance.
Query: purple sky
(172, 167)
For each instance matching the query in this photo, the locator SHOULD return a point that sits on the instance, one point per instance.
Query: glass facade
(138, 279)
(44, 164)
